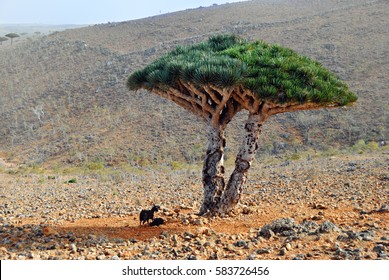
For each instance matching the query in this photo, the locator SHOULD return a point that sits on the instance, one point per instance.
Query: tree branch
(273, 109)
(204, 104)
(226, 95)
(194, 108)
(209, 90)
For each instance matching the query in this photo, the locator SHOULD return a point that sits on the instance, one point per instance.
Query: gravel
(305, 210)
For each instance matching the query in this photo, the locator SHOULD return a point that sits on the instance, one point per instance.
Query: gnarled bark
(245, 157)
(213, 170)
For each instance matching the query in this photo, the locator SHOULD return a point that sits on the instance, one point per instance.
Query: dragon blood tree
(218, 78)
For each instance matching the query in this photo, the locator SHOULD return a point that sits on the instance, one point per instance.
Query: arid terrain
(80, 155)
(319, 208)
(64, 99)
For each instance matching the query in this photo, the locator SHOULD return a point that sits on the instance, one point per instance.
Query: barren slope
(63, 96)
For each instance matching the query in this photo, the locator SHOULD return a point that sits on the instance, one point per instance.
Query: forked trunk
(213, 169)
(245, 157)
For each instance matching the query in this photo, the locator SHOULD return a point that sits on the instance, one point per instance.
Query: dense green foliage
(271, 72)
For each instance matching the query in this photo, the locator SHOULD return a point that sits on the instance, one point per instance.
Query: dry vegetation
(66, 116)
(64, 97)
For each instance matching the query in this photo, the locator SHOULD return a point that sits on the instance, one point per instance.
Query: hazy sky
(91, 11)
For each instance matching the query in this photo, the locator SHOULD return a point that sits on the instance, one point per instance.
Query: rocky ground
(326, 208)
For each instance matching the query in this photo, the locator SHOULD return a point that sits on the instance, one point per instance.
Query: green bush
(372, 146)
(361, 146)
(71, 181)
(95, 165)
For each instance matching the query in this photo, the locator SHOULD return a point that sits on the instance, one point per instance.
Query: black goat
(146, 215)
(157, 222)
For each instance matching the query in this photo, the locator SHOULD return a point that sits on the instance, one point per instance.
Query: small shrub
(176, 165)
(71, 181)
(95, 165)
(295, 157)
(372, 146)
(361, 146)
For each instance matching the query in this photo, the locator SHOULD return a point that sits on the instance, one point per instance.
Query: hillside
(64, 100)
(34, 29)
(81, 156)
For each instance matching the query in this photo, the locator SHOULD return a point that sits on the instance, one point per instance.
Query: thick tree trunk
(213, 170)
(245, 157)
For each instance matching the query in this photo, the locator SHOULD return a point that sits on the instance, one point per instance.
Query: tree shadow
(28, 238)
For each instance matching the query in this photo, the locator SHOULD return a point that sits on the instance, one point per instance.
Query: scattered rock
(192, 257)
(347, 254)
(366, 235)
(284, 226)
(30, 227)
(266, 232)
(282, 252)
(246, 210)
(309, 226)
(204, 230)
(197, 222)
(299, 257)
(73, 248)
(328, 227)
(379, 248)
(240, 243)
(101, 257)
(265, 250)
(384, 209)
(319, 206)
